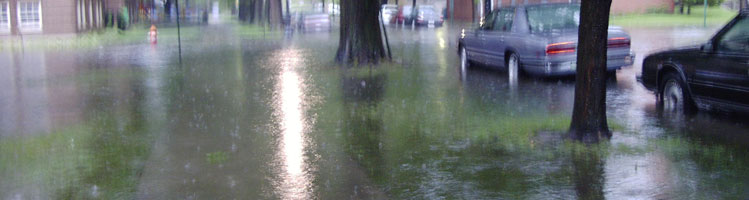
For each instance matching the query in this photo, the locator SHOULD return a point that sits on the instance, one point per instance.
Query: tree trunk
(360, 39)
(288, 9)
(742, 4)
(681, 7)
(689, 9)
(257, 11)
(589, 112)
(168, 8)
(246, 10)
(276, 14)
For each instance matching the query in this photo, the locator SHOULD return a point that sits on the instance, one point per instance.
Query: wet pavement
(261, 117)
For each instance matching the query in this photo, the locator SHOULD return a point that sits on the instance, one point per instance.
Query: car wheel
(513, 68)
(464, 62)
(673, 96)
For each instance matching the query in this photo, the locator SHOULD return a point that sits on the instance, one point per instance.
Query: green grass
(69, 163)
(104, 37)
(716, 16)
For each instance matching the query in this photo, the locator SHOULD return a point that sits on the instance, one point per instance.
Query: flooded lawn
(261, 117)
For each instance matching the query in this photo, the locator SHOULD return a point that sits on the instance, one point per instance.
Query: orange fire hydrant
(153, 34)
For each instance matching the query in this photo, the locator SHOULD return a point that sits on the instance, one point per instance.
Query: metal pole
(179, 38)
(704, 15)
(385, 31)
(452, 11)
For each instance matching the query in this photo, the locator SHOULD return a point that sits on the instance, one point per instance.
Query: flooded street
(264, 117)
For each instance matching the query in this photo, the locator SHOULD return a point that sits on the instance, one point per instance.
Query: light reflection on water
(294, 181)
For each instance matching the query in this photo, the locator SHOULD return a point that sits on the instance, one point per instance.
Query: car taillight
(560, 48)
(619, 42)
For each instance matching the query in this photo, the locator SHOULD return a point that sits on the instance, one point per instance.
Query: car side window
(488, 21)
(735, 39)
(504, 20)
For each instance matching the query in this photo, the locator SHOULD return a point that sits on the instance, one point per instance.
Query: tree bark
(276, 14)
(167, 8)
(681, 7)
(258, 17)
(288, 9)
(246, 10)
(742, 4)
(589, 112)
(360, 39)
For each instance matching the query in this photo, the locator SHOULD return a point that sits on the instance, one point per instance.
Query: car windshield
(553, 17)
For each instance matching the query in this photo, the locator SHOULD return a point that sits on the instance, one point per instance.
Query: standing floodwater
(255, 116)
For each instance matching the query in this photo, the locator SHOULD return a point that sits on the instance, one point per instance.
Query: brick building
(464, 10)
(28, 17)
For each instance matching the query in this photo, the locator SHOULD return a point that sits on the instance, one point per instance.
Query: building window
(30, 15)
(4, 16)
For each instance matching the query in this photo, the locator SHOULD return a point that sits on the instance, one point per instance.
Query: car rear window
(546, 18)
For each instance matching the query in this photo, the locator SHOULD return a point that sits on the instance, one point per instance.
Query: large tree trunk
(288, 9)
(261, 11)
(246, 10)
(360, 39)
(589, 112)
(742, 4)
(167, 7)
(258, 14)
(276, 14)
(681, 7)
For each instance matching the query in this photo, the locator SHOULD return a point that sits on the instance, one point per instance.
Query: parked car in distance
(388, 13)
(712, 75)
(314, 22)
(427, 15)
(536, 39)
(404, 15)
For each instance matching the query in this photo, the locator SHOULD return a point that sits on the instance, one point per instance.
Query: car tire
(513, 67)
(673, 97)
(464, 62)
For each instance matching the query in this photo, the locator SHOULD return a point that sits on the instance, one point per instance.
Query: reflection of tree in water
(363, 120)
(588, 173)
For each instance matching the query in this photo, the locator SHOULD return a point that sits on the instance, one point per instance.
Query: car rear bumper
(569, 67)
